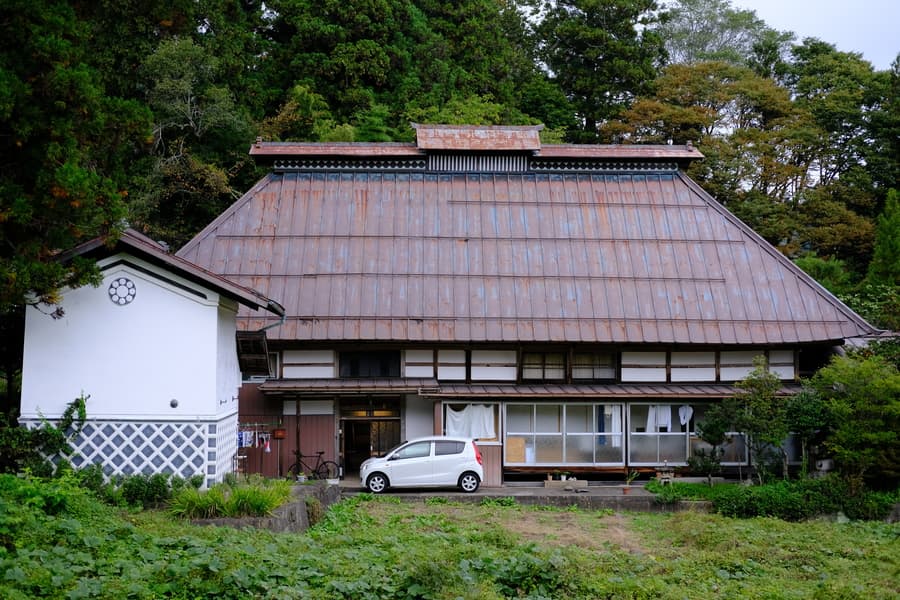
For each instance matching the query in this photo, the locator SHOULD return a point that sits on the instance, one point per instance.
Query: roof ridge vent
(477, 163)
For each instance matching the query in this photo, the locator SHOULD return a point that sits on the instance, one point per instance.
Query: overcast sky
(871, 27)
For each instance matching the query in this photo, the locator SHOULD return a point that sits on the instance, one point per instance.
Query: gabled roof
(594, 244)
(139, 245)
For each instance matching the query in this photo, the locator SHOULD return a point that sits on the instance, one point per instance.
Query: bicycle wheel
(327, 470)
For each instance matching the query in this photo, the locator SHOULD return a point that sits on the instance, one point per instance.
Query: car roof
(450, 438)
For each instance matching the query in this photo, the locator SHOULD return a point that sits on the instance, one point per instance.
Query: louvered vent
(478, 163)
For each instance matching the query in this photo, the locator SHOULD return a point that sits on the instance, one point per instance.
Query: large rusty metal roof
(584, 247)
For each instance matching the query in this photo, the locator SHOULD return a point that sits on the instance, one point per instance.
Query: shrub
(146, 490)
(35, 449)
(665, 494)
(255, 497)
(803, 499)
(824, 495)
(92, 478)
(191, 503)
(870, 505)
(781, 499)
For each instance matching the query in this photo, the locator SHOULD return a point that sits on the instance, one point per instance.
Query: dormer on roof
(456, 138)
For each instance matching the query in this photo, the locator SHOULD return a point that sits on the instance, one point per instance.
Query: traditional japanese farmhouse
(574, 308)
(153, 346)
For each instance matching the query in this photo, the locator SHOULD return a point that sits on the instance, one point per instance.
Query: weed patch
(251, 498)
(58, 541)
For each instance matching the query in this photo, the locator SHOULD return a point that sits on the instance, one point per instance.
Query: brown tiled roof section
(624, 257)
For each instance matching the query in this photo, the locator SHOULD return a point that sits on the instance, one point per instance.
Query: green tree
(602, 54)
(763, 417)
(863, 397)
(882, 153)
(710, 30)
(299, 119)
(885, 265)
(831, 273)
(58, 179)
(120, 34)
(486, 48)
(807, 418)
(198, 130)
(714, 428)
(349, 52)
(838, 90)
(475, 110)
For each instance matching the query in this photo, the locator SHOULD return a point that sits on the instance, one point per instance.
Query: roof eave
(137, 244)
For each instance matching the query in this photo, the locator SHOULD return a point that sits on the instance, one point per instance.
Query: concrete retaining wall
(294, 516)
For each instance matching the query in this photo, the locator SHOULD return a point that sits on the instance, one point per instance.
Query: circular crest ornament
(122, 291)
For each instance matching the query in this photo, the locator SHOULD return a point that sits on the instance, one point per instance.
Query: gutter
(278, 310)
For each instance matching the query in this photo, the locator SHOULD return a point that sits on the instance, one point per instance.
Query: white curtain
(474, 421)
(614, 412)
(659, 416)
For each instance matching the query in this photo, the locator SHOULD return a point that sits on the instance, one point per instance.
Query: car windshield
(394, 449)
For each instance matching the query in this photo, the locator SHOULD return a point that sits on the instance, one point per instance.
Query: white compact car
(426, 462)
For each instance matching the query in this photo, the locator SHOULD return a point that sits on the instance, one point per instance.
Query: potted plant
(631, 476)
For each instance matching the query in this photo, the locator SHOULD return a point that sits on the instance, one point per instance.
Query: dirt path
(598, 530)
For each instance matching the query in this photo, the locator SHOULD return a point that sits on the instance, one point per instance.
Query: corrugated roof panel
(593, 257)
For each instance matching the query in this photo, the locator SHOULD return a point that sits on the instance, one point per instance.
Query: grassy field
(57, 542)
(679, 555)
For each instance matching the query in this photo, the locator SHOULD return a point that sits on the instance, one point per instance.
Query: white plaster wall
(493, 365)
(418, 417)
(308, 364)
(228, 375)
(132, 360)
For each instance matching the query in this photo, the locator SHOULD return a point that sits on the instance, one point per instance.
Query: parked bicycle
(323, 469)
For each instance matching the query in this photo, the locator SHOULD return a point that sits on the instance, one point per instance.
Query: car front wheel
(469, 482)
(376, 483)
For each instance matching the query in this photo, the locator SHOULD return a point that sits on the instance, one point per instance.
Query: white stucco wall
(418, 418)
(228, 372)
(132, 359)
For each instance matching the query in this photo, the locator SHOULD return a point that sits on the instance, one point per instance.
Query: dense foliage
(788, 500)
(849, 411)
(56, 541)
(23, 449)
